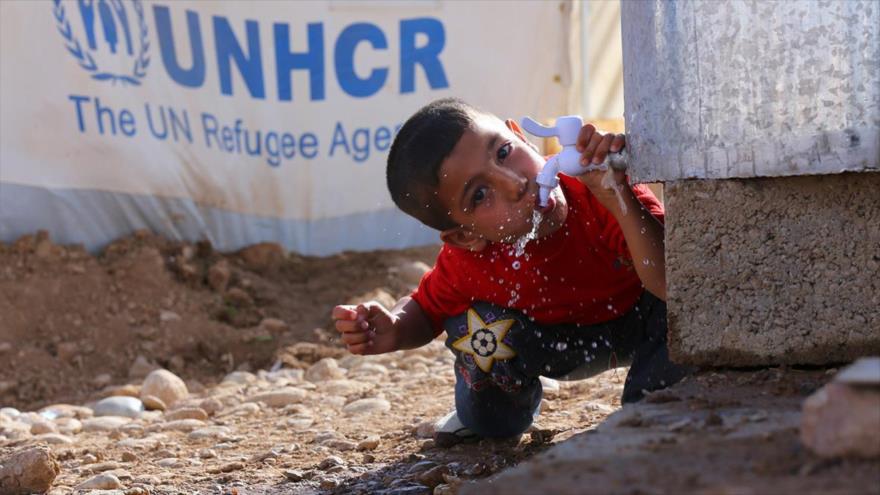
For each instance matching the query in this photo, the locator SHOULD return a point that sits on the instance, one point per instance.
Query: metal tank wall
(725, 102)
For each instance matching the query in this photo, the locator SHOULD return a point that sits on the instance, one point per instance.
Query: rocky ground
(257, 397)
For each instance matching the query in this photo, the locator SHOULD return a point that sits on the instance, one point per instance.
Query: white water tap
(566, 161)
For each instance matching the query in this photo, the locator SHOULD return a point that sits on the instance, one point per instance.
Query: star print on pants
(483, 341)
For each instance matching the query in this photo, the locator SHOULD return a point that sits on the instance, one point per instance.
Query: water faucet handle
(535, 128)
(566, 129)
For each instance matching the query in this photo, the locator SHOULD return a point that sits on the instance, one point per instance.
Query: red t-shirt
(582, 273)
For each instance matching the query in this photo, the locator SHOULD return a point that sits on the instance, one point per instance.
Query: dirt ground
(275, 405)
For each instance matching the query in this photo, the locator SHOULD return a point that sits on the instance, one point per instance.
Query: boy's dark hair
(425, 140)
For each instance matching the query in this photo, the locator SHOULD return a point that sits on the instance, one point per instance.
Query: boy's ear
(463, 238)
(513, 126)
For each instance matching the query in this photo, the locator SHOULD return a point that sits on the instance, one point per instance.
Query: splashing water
(520, 244)
(608, 183)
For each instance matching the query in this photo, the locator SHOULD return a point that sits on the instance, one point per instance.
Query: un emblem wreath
(87, 62)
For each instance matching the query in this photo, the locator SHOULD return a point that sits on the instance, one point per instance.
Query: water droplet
(561, 346)
(516, 265)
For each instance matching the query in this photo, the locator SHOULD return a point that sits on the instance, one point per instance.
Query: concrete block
(770, 271)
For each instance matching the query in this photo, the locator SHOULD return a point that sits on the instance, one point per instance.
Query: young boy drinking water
(586, 295)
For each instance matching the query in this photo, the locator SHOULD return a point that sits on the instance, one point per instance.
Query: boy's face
(488, 186)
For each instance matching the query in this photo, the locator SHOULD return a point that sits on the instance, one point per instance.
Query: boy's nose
(513, 184)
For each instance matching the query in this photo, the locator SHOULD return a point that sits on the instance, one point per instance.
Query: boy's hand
(367, 328)
(594, 147)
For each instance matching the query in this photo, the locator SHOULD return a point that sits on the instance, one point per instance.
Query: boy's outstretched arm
(369, 328)
(644, 234)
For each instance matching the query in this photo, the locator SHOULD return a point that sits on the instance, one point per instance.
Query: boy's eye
(503, 151)
(479, 195)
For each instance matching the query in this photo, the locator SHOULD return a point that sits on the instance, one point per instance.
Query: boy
(586, 295)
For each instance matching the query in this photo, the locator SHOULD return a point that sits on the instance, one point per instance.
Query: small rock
(273, 325)
(166, 316)
(5, 347)
(124, 406)
(141, 367)
(104, 481)
(219, 432)
(40, 427)
(238, 297)
(263, 256)
(219, 275)
(240, 377)
(550, 386)
(68, 426)
(865, 371)
(331, 462)
(165, 385)
(207, 454)
(66, 351)
(280, 397)
(211, 405)
(433, 476)
(28, 471)
(54, 439)
(104, 466)
(367, 406)
(129, 390)
(185, 425)
(129, 457)
(293, 475)
(425, 429)
(153, 403)
(325, 369)
(340, 445)
(104, 423)
(186, 413)
(840, 420)
(369, 369)
(102, 380)
(299, 423)
(343, 387)
(169, 462)
(411, 272)
(369, 443)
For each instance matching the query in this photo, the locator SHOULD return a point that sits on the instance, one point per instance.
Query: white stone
(299, 423)
(185, 425)
(104, 423)
(369, 443)
(425, 429)
(280, 397)
(102, 481)
(325, 369)
(219, 432)
(369, 369)
(68, 426)
(411, 272)
(129, 407)
(169, 462)
(367, 406)
(865, 371)
(550, 386)
(40, 427)
(240, 377)
(841, 420)
(54, 439)
(165, 385)
(66, 411)
(166, 316)
(343, 387)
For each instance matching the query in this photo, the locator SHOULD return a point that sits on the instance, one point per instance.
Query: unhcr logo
(115, 36)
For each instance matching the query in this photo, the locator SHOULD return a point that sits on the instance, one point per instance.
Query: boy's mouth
(551, 203)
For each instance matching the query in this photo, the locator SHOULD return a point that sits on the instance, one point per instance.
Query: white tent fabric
(242, 122)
